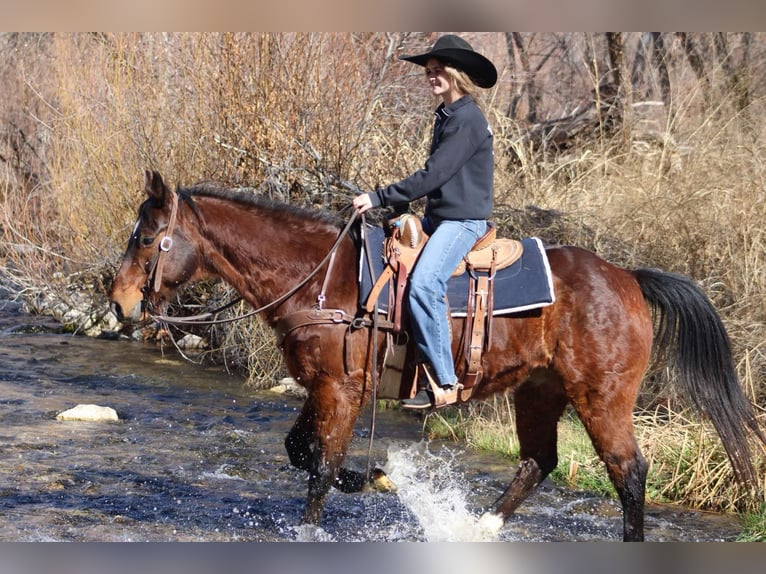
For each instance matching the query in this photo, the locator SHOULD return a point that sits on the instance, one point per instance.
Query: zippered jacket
(458, 176)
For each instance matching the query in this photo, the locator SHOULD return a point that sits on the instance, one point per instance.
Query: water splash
(311, 533)
(220, 474)
(435, 493)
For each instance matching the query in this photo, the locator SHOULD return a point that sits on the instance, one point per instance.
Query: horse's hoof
(379, 482)
(491, 522)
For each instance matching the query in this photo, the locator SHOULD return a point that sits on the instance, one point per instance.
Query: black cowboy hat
(455, 51)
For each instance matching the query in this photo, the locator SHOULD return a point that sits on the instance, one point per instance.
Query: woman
(457, 180)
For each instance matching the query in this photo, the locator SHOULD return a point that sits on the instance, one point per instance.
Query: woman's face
(439, 81)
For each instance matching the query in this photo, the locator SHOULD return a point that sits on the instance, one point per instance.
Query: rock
(78, 311)
(90, 413)
(289, 386)
(192, 343)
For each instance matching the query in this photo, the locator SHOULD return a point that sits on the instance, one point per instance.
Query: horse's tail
(693, 339)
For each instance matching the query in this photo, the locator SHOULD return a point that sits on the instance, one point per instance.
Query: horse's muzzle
(135, 315)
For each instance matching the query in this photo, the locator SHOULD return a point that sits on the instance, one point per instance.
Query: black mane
(250, 197)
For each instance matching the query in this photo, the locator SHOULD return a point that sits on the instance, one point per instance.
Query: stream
(199, 456)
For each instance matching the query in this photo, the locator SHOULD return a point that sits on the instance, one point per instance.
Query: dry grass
(688, 464)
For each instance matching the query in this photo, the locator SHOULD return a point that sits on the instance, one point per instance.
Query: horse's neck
(262, 256)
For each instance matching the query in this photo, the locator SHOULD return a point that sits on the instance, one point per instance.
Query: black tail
(691, 335)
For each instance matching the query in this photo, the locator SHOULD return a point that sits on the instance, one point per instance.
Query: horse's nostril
(116, 310)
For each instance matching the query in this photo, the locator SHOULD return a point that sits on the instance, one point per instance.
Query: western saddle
(404, 241)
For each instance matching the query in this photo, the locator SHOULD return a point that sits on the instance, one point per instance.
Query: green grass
(687, 464)
(579, 466)
(754, 526)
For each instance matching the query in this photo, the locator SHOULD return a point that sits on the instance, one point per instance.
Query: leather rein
(301, 318)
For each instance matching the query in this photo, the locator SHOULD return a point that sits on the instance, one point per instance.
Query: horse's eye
(146, 240)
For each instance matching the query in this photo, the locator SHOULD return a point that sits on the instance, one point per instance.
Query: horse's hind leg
(611, 431)
(538, 406)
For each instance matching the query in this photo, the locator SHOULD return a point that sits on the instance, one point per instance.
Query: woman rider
(457, 181)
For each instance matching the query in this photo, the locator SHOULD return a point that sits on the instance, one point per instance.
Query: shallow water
(197, 456)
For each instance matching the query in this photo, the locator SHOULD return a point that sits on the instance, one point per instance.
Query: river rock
(192, 343)
(289, 386)
(89, 413)
(79, 311)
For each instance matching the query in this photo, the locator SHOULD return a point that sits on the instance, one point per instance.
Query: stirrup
(432, 395)
(445, 397)
(442, 397)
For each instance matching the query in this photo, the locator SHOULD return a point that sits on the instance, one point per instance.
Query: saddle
(404, 241)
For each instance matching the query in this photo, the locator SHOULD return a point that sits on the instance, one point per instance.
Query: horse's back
(592, 280)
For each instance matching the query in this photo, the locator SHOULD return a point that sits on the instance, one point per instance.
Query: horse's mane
(248, 196)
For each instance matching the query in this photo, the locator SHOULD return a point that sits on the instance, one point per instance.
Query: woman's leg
(447, 245)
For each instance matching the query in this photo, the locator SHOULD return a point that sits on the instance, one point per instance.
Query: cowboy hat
(455, 51)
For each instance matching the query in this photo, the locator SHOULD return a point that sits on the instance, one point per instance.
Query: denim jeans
(449, 243)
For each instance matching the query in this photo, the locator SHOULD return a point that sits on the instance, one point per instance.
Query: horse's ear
(154, 185)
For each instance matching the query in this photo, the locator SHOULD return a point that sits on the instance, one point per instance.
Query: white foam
(220, 474)
(311, 533)
(436, 493)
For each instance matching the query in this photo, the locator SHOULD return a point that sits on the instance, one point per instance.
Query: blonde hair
(462, 81)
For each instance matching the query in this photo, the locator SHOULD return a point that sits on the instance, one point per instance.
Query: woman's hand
(362, 203)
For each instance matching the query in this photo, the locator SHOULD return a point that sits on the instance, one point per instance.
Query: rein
(203, 318)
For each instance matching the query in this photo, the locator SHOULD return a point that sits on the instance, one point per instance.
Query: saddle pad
(526, 284)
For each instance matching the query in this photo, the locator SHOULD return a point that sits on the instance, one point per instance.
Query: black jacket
(458, 176)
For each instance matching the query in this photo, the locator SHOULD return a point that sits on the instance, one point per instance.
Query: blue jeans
(449, 243)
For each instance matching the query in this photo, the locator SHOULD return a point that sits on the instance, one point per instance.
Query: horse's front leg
(318, 443)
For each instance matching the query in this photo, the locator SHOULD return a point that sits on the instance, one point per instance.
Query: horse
(589, 349)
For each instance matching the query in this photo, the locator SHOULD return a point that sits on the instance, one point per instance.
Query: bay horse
(590, 348)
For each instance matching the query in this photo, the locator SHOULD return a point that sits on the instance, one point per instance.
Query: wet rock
(594, 506)
(288, 386)
(79, 311)
(89, 413)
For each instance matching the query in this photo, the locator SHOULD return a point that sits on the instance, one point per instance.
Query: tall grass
(305, 117)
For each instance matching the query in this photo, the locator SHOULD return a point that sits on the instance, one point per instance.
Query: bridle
(154, 275)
